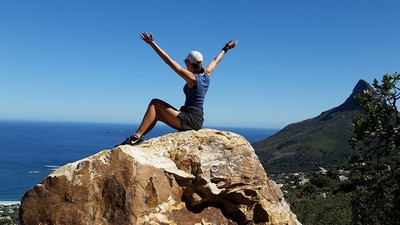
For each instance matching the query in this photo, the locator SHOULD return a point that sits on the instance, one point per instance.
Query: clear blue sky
(83, 60)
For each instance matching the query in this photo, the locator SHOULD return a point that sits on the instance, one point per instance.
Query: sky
(83, 61)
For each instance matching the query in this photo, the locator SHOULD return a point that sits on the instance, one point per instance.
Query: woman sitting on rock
(190, 115)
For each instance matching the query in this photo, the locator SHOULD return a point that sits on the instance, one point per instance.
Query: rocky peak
(192, 177)
(360, 87)
(349, 104)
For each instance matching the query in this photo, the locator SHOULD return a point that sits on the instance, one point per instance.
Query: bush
(376, 141)
(316, 209)
(321, 181)
(6, 220)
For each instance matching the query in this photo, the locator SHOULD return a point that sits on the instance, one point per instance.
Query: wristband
(225, 49)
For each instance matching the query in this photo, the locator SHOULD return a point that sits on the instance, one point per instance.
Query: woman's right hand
(147, 37)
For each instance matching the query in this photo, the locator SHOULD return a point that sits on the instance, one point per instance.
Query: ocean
(29, 151)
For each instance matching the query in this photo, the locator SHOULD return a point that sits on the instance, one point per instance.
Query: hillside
(321, 141)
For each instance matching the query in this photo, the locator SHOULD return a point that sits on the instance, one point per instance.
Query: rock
(343, 178)
(192, 177)
(322, 170)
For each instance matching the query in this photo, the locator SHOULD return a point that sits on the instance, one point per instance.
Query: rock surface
(192, 177)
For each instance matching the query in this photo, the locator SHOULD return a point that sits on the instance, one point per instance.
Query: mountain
(321, 141)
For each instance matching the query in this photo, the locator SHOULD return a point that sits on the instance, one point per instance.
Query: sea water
(29, 151)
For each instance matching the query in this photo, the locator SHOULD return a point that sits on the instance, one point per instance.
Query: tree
(376, 142)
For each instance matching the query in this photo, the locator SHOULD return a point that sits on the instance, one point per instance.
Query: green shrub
(376, 141)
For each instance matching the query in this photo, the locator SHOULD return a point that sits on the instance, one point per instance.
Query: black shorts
(191, 118)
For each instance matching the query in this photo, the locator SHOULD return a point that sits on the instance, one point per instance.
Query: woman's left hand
(148, 38)
(231, 44)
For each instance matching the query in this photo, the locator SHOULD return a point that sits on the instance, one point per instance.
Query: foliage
(323, 205)
(314, 209)
(377, 134)
(376, 142)
(5, 220)
(321, 181)
(9, 214)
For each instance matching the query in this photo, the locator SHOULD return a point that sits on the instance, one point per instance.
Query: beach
(8, 203)
(9, 212)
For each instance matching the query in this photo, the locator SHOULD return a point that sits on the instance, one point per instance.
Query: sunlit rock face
(193, 177)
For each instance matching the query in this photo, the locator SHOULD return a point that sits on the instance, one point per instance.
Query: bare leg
(159, 110)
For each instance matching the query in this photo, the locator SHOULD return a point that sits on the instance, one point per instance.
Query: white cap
(194, 57)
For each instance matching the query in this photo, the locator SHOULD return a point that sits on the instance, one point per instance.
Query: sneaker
(134, 139)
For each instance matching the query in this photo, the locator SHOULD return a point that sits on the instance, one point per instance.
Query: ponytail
(198, 68)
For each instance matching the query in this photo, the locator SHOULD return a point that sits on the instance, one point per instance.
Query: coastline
(53, 144)
(8, 203)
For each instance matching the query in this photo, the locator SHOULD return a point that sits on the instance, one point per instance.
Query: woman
(190, 115)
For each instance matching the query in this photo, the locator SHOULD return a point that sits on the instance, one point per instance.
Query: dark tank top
(195, 95)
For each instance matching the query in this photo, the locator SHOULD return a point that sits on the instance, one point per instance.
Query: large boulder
(192, 177)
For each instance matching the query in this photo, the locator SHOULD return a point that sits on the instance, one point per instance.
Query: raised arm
(185, 74)
(210, 68)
